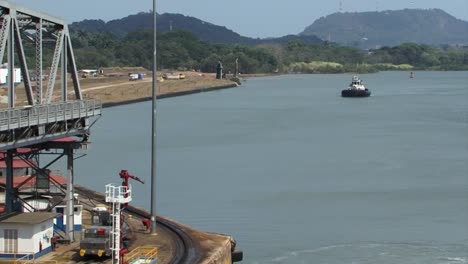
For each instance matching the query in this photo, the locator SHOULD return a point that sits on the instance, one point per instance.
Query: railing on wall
(147, 255)
(25, 258)
(46, 114)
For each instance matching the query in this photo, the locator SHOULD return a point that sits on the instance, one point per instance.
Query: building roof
(28, 218)
(18, 150)
(17, 164)
(17, 180)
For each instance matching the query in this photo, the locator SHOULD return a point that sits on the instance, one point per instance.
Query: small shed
(61, 220)
(26, 235)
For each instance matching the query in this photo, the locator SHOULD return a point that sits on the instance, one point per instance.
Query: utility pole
(153, 129)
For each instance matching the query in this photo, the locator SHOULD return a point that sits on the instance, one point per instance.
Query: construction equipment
(110, 234)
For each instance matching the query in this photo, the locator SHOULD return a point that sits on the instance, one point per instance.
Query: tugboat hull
(355, 93)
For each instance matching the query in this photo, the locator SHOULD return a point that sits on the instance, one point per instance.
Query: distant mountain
(166, 22)
(390, 28)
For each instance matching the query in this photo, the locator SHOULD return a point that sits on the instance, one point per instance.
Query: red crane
(125, 176)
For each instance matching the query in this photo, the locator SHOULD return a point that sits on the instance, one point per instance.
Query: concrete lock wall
(222, 255)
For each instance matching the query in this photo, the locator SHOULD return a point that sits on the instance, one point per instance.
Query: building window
(11, 240)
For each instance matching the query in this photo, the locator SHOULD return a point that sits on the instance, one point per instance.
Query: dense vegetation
(167, 22)
(182, 50)
(175, 50)
(186, 42)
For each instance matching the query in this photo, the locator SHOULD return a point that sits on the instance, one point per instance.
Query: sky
(251, 18)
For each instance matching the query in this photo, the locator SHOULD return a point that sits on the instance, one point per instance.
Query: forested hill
(390, 28)
(166, 22)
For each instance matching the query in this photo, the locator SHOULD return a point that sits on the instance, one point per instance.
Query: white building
(61, 220)
(26, 235)
(18, 78)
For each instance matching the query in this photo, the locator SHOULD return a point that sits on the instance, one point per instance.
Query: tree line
(183, 51)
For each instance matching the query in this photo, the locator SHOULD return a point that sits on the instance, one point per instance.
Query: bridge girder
(19, 26)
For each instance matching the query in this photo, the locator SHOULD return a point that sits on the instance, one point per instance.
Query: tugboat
(356, 89)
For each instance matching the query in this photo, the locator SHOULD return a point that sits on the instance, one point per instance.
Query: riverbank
(114, 88)
(122, 91)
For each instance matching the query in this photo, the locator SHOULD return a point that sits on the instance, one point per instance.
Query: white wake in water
(369, 253)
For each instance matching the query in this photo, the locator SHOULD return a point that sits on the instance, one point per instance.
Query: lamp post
(153, 130)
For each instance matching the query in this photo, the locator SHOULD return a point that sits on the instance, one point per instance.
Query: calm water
(298, 174)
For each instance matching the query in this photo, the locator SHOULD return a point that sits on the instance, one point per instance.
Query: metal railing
(46, 114)
(142, 255)
(24, 258)
(36, 262)
(27, 258)
(18, 257)
(118, 194)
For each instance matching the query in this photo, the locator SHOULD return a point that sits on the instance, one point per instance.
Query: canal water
(297, 174)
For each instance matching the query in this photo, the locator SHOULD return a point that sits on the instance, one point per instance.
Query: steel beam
(70, 207)
(64, 69)
(31, 13)
(9, 182)
(74, 71)
(38, 42)
(23, 63)
(11, 66)
(4, 32)
(54, 66)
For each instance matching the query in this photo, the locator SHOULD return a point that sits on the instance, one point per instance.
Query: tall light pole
(153, 130)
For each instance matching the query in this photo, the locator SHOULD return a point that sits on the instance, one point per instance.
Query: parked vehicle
(133, 77)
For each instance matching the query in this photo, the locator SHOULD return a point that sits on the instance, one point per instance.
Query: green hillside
(390, 28)
(205, 31)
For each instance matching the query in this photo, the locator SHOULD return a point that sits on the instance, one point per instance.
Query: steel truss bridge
(46, 119)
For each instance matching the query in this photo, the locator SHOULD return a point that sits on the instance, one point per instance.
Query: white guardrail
(28, 116)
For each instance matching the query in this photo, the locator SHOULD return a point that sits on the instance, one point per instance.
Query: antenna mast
(341, 6)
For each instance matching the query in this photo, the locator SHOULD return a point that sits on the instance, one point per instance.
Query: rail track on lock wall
(183, 243)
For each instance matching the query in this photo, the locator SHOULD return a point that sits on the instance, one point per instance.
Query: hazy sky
(252, 18)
